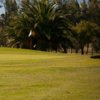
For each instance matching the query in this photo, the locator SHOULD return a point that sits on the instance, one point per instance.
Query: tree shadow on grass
(96, 57)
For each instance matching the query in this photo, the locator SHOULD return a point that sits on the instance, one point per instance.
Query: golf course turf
(37, 75)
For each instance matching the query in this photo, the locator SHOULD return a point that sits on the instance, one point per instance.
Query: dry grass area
(36, 75)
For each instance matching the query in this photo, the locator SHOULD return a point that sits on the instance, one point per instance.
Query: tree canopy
(54, 25)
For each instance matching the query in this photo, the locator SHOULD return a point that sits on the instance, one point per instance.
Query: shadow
(96, 57)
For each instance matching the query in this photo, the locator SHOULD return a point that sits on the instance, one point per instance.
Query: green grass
(36, 75)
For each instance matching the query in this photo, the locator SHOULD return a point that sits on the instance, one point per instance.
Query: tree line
(51, 25)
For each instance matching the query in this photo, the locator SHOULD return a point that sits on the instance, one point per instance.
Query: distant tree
(74, 9)
(84, 10)
(11, 9)
(86, 31)
(94, 11)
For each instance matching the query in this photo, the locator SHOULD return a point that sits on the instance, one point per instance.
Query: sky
(2, 8)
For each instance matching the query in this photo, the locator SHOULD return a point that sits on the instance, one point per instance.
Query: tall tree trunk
(76, 50)
(92, 51)
(87, 51)
(82, 50)
(71, 50)
(64, 48)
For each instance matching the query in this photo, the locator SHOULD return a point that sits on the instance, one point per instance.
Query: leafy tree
(74, 9)
(85, 33)
(3, 34)
(10, 11)
(84, 10)
(94, 11)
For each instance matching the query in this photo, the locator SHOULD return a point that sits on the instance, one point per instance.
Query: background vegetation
(53, 25)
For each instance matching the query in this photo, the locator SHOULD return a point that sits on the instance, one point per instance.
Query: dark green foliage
(55, 25)
(85, 33)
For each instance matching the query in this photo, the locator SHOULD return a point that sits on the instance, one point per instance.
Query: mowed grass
(36, 75)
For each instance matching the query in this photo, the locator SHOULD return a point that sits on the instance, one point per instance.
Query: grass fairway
(35, 75)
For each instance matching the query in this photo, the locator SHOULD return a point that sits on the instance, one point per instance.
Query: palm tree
(46, 21)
